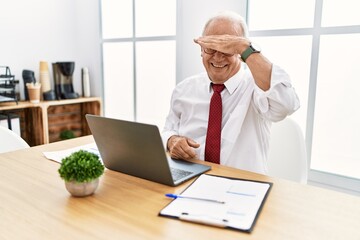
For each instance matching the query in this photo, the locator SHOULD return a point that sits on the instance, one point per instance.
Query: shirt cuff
(165, 137)
(278, 76)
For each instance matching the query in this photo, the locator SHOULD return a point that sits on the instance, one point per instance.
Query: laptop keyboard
(179, 173)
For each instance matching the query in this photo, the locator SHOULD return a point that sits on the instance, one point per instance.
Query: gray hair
(234, 17)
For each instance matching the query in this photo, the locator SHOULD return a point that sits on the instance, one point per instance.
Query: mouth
(218, 65)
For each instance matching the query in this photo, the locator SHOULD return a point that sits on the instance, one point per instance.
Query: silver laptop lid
(135, 149)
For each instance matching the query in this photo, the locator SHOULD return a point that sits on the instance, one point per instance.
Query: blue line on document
(236, 213)
(242, 194)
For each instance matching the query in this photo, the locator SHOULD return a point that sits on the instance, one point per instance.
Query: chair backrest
(287, 154)
(10, 141)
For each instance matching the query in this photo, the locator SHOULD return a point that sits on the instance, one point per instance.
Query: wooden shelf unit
(42, 123)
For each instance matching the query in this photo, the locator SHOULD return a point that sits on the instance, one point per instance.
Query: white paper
(242, 199)
(59, 155)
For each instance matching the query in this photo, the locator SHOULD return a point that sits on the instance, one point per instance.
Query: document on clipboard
(220, 201)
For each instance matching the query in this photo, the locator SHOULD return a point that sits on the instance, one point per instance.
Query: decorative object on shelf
(67, 134)
(28, 77)
(63, 78)
(81, 172)
(34, 91)
(7, 86)
(85, 82)
(48, 93)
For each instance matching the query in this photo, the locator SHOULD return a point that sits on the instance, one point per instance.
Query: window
(139, 67)
(335, 146)
(316, 42)
(269, 15)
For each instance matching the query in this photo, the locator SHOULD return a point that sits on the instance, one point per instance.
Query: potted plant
(67, 134)
(81, 171)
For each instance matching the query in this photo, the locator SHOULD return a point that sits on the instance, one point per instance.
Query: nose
(219, 55)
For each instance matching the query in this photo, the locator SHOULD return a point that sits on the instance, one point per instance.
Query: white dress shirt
(247, 115)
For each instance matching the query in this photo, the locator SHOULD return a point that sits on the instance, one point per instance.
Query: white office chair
(10, 141)
(287, 157)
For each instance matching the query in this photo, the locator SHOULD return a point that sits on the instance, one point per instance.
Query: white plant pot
(82, 189)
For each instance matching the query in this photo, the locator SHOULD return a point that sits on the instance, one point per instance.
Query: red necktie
(213, 137)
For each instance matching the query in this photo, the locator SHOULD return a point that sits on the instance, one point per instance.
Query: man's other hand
(182, 147)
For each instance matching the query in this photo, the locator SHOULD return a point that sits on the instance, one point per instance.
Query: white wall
(191, 18)
(69, 30)
(57, 30)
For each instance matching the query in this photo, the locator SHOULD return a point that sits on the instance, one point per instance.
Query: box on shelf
(7, 85)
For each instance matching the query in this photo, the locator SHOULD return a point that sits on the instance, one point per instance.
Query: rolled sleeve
(280, 100)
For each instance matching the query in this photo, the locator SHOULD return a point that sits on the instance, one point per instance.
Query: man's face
(220, 67)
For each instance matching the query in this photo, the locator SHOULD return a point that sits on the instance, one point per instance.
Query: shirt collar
(232, 83)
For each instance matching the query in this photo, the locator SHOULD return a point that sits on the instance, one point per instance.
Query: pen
(170, 195)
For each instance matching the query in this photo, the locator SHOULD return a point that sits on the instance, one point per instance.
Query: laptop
(136, 149)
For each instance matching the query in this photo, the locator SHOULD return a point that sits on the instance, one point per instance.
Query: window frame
(134, 39)
(316, 177)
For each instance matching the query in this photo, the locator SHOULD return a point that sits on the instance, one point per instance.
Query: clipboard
(218, 201)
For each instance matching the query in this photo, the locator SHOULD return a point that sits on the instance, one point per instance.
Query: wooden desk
(34, 204)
